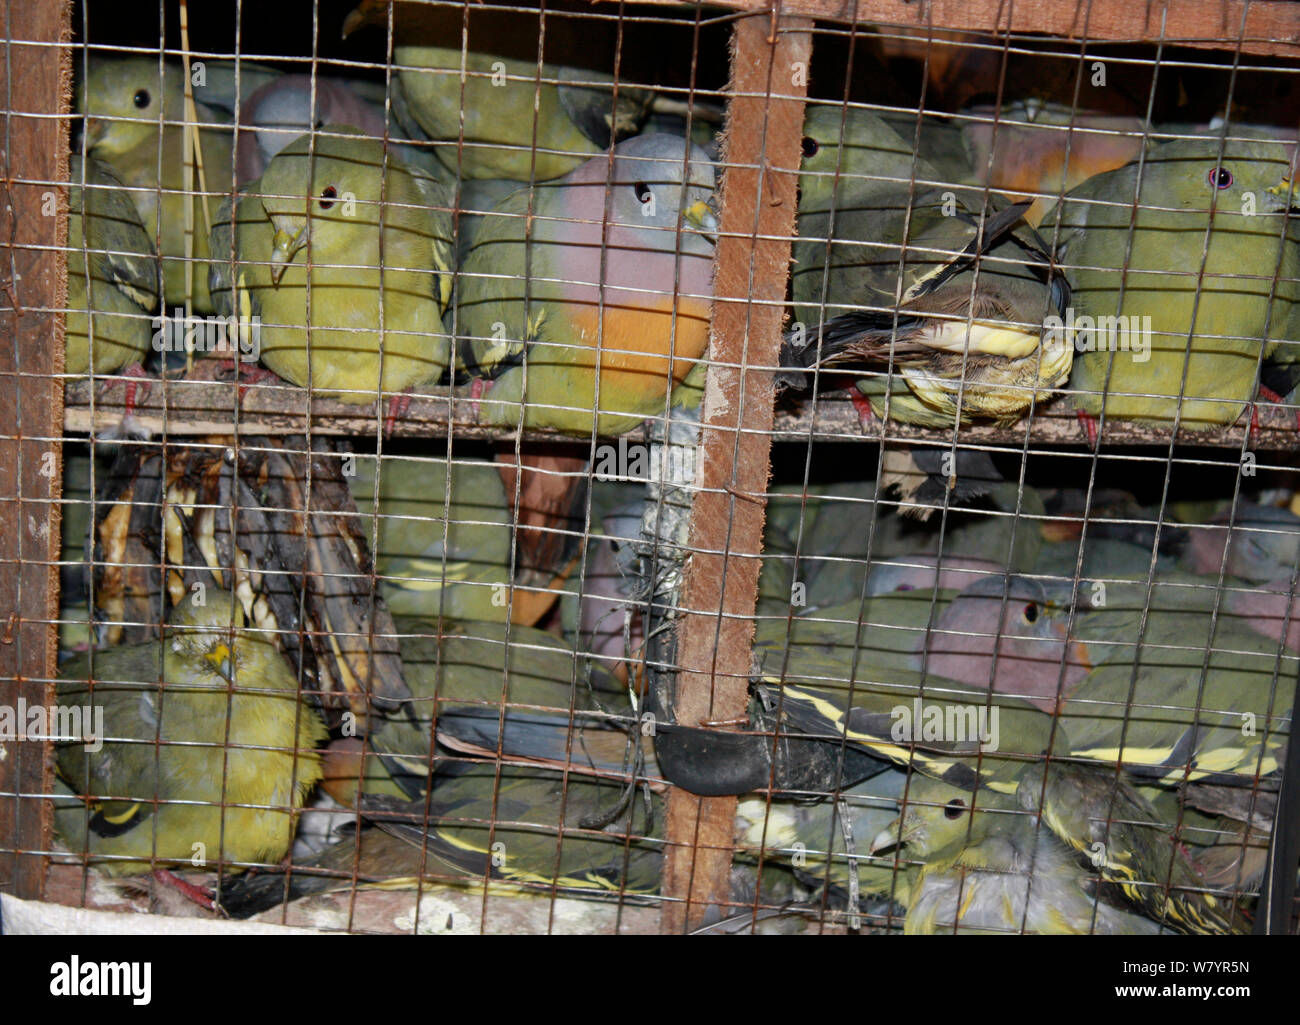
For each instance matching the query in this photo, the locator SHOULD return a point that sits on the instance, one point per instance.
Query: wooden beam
(1270, 28)
(37, 82)
(202, 407)
(769, 58)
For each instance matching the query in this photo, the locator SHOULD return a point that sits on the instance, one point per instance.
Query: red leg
(1269, 395)
(397, 407)
(136, 373)
(1254, 425)
(477, 389)
(249, 373)
(1089, 424)
(200, 896)
(863, 405)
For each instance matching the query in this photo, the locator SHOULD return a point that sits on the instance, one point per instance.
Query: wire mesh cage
(625, 468)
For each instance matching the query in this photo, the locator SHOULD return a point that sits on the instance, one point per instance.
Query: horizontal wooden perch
(201, 405)
(1259, 28)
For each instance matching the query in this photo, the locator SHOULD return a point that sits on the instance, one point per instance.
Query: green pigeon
(135, 123)
(592, 292)
(1173, 321)
(503, 690)
(895, 714)
(475, 75)
(847, 149)
(988, 867)
(442, 548)
(1190, 703)
(958, 361)
(1106, 819)
(600, 604)
(1039, 149)
(811, 836)
(990, 742)
(527, 830)
(291, 105)
(1007, 633)
(111, 307)
(338, 202)
(830, 528)
(884, 269)
(1263, 543)
(200, 722)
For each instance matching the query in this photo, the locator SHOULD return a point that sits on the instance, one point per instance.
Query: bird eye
(320, 123)
(1220, 177)
(810, 146)
(141, 99)
(1031, 612)
(327, 197)
(642, 191)
(954, 808)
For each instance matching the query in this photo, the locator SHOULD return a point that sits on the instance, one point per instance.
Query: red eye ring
(810, 146)
(327, 196)
(1220, 177)
(1030, 612)
(954, 808)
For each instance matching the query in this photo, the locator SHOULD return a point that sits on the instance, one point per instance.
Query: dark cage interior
(595, 467)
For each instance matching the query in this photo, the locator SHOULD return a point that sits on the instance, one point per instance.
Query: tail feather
(857, 336)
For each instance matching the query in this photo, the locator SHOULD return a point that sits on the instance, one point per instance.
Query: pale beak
(1283, 189)
(94, 132)
(700, 216)
(222, 658)
(284, 247)
(886, 840)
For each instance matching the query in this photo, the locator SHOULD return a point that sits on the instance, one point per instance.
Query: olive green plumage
(533, 829)
(442, 550)
(520, 828)
(1155, 709)
(989, 867)
(517, 118)
(832, 529)
(116, 301)
(1240, 314)
(592, 292)
(360, 218)
(913, 283)
(492, 688)
(1003, 633)
(191, 740)
(136, 124)
(811, 838)
(923, 336)
(847, 150)
(1101, 815)
(937, 728)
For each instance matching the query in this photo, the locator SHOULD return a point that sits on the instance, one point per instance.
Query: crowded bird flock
(979, 703)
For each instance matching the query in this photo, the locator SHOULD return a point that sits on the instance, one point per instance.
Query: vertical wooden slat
(36, 76)
(769, 64)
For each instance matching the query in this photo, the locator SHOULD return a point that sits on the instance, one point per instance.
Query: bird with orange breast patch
(584, 301)
(1033, 149)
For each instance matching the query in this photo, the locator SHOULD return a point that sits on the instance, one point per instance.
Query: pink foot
(397, 407)
(477, 389)
(1089, 424)
(1269, 395)
(197, 894)
(249, 374)
(863, 405)
(138, 383)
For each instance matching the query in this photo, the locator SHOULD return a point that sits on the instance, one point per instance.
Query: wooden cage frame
(752, 261)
